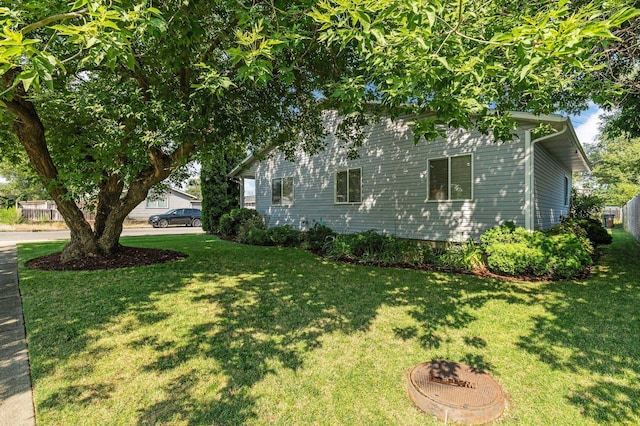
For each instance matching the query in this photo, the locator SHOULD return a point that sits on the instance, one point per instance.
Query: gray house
(445, 190)
(156, 203)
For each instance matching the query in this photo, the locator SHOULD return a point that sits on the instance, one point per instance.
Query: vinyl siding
(394, 185)
(549, 196)
(176, 201)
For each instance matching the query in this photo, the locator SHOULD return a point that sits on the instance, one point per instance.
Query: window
(349, 186)
(450, 178)
(155, 201)
(566, 191)
(282, 191)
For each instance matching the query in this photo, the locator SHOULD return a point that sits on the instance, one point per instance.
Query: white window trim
(448, 200)
(293, 189)
(156, 201)
(335, 186)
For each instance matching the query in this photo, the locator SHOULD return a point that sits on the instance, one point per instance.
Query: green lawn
(258, 335)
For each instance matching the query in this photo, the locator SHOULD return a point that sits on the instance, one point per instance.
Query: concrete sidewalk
(16, 398)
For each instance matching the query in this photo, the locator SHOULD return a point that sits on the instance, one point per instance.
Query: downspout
(529, 171)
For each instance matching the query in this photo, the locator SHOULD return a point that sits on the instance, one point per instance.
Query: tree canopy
(110, 98)
(617, 168)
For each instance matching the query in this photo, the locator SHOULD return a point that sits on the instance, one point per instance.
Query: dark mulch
(125, 257)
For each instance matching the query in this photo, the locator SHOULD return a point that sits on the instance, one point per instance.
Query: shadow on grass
(273, 306)
(281, 307)
(278, 308)
(596, 321)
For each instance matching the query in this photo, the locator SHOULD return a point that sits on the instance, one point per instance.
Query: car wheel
(196, 222)
(162, 223)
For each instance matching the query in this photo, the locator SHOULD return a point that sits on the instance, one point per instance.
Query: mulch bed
(125, 257)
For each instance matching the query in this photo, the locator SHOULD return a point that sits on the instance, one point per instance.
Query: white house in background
(159, 203)
(449, 189)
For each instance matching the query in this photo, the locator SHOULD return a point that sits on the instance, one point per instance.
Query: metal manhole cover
(455, 392)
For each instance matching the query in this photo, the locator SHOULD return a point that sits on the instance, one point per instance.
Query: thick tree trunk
(31, 134)
(112, 208)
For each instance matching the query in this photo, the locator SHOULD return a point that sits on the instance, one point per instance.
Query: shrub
(284, 236)
(367, 244)
(258, 237)
(585, 205)
(364, 246)
(568, 256)
(339, 247)
(516, 252)
(515, 259)
(10, 216)
(467, 256)
(372, 247)
(596, 233)
(249, 226)
(589, 228)
(230, 222)
(318, 238)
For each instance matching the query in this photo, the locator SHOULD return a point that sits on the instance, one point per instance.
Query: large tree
(110, 98)
(617, 168)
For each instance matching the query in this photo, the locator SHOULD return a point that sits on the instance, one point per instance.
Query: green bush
(518, 252)
(516, 259)
(374, 248)
(568, 256)
(364, 246)
(585, 227)
(585, 205)
(285, 236)
(467, 256)
(230, 222)
(249, 229)
(10, 216)
(318, 238)
(258, 237)
(596, 233)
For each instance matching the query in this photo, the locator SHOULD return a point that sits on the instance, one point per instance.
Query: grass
(258, 335)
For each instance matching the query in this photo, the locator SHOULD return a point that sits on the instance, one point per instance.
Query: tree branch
(59, 17)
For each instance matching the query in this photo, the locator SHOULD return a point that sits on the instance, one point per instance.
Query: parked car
(188, 217)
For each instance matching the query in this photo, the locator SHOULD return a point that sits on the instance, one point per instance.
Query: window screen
(349, 186)
(451, 178)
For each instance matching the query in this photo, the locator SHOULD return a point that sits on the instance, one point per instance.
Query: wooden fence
(631, 217)
(49, 215)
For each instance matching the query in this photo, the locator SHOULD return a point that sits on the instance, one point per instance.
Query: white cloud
(587, 125)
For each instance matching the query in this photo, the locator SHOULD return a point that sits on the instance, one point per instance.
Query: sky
(587, 124)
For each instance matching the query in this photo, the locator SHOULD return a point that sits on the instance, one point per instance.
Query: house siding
(549, 197)
(394, 185)
(176, 201)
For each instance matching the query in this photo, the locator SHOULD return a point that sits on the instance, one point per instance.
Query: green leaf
(623, 16)
(524, 71)
(379, 35)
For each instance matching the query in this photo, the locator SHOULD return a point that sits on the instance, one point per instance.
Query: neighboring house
(159, 203)
(451, 189)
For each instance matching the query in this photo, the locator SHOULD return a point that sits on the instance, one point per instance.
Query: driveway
(11, 238)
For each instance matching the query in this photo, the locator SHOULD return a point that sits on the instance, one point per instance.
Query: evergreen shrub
(229, 224)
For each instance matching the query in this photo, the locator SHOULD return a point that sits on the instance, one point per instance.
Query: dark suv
(188, 217)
